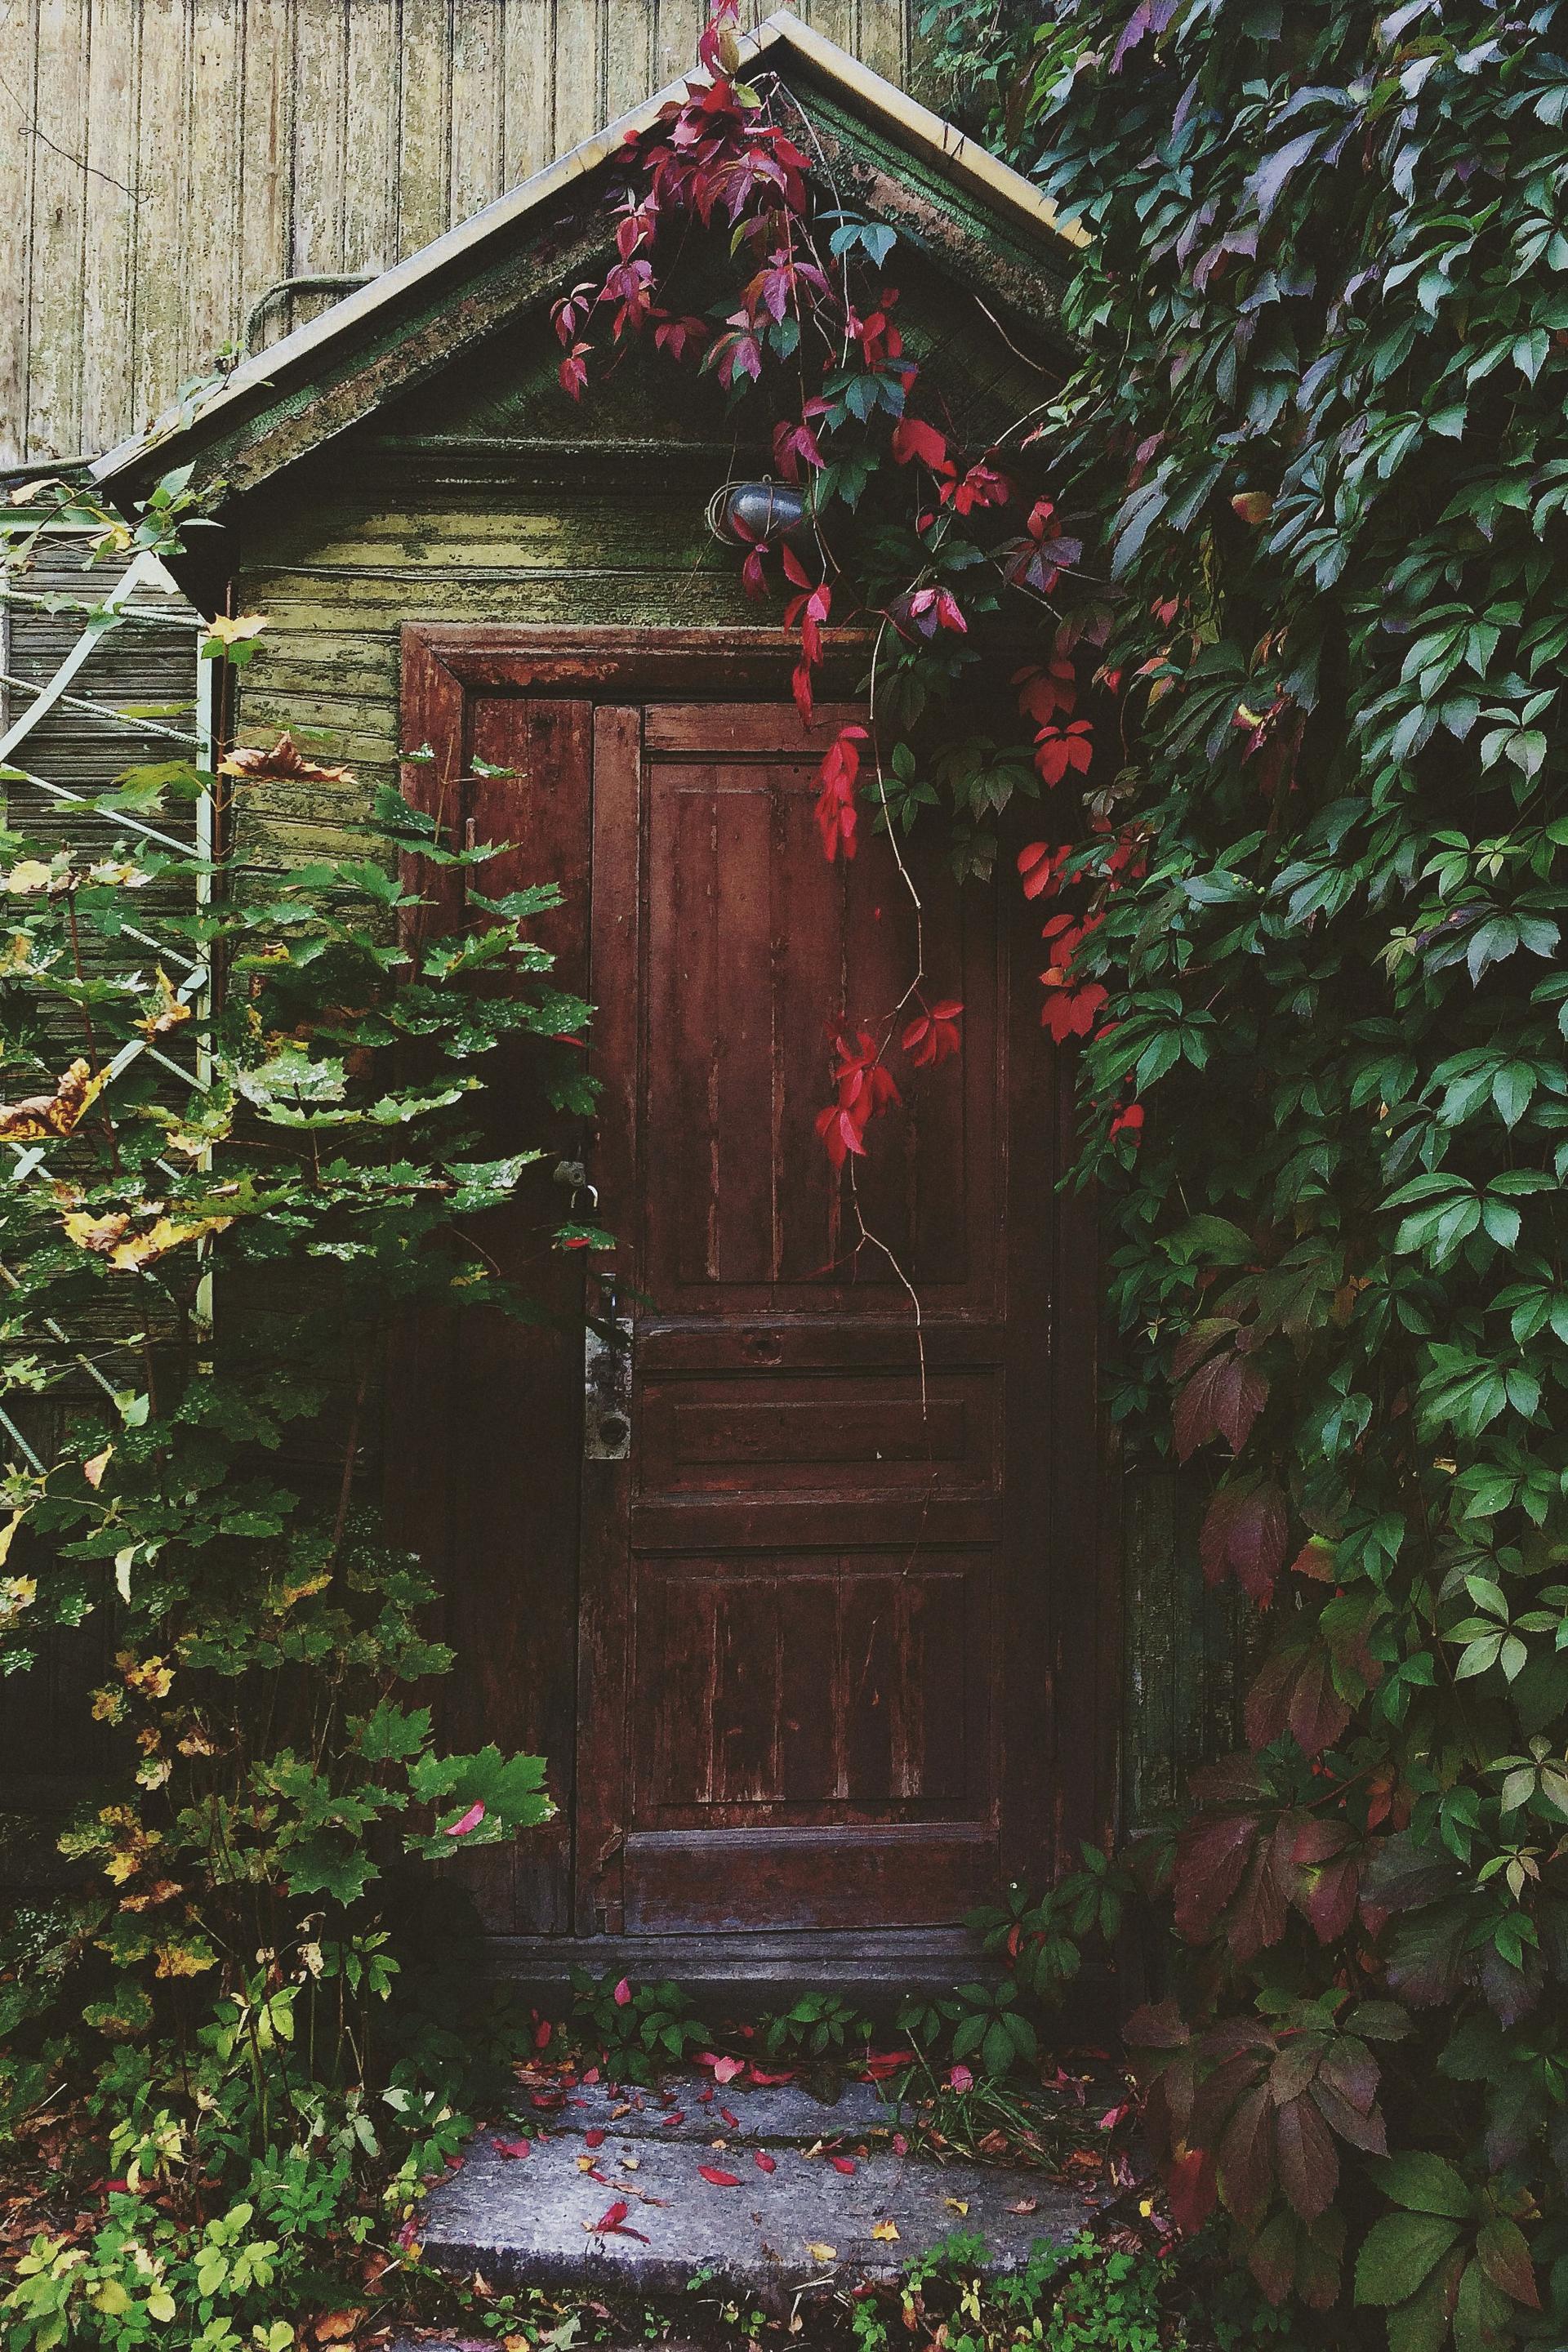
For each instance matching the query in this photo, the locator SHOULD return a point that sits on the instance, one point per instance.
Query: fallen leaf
(511, 2148)
(961, 2079)
(819, 2252)
(630, 2164)
(901, 2145)
(466, 1822)
(764, 2161)
(335, 2325)
(720, 2179)
(956, 2204)
(594, 2138)
(284, 763)
(885, 2230)
(666, 2121)
(622, 1994)
(726, 2069)
(842, 2163)
(1024, 2205)
(611, 2217)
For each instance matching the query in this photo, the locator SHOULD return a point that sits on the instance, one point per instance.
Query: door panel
(811, 1550)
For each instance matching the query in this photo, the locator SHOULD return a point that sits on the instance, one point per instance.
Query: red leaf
(764, 2161)
(1190, 2189)
(842, 2163)
(594, 2139)
(913, 438)
(1210, 1856)
(720, 2179)
(1308, 2161)
(622, 1994)
(1245, 1530)
(466, 1822)
(675, 2116)
(961, 2079)
(726, 2069)
(734, 2121)
(1502, 2250)
(1221, 1399)
(1245, 2158)
(612, 2215)
(511, 2148)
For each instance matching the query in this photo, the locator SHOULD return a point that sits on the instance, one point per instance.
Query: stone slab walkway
(625, 2195)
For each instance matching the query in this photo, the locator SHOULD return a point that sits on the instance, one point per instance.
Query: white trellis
(102, 617)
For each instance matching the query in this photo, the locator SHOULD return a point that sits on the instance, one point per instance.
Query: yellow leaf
(819, 2252)
(163, 1235)
(229, 631)
(170, 1012)
(885, 2230)
(39, 1116)
(93, 1471)
(31, 875)
(97, 1233)
(956, 2204)
(7, 1534)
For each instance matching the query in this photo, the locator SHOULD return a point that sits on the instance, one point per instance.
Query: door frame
(441, 665)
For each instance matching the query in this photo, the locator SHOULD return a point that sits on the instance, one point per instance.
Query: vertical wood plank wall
(163, 162)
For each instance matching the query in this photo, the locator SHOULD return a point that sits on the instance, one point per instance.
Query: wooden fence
(165, 162)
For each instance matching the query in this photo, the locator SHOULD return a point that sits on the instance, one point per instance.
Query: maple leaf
(284, 763)
(37, 1117)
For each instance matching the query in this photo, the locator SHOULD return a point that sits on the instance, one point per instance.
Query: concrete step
(634, 2215)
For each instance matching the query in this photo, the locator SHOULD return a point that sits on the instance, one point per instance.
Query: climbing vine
(1317, 436)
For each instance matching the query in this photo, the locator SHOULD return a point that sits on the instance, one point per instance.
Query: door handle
(607, 1384)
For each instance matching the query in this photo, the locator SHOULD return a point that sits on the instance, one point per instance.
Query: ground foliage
(1316, 452)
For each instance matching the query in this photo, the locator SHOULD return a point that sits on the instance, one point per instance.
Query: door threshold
(885, 1962)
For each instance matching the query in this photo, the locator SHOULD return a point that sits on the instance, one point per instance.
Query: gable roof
(946, 194)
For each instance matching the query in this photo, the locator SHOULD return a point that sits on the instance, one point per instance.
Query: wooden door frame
(441, 665)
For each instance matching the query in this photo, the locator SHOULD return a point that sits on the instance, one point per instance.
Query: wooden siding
(163, 162)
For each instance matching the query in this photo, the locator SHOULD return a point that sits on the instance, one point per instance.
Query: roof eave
(260, 383)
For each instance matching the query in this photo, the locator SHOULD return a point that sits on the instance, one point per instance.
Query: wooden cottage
(817, 1658)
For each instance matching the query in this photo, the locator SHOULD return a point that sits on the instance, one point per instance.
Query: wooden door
(840, 1661)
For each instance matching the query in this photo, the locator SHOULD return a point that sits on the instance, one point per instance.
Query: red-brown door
(839, 1659)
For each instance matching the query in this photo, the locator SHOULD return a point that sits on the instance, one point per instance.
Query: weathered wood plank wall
(163, 162)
